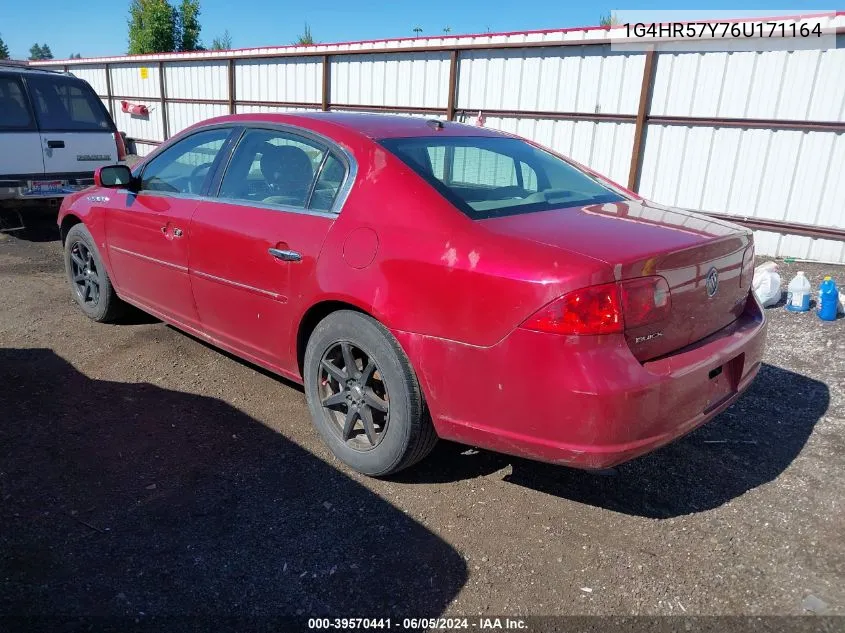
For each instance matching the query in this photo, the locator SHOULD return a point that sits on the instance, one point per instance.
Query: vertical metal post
(642, 115)
(326, 84)
(162, 87)
(109, 94)
(453, 85)
(231, 85)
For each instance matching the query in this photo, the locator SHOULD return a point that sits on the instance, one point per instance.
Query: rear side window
(488, 176)
(279, 168)
(14, 108)
(67, 105)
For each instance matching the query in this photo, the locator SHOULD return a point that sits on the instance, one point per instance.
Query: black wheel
(89, 282)
(364, 397)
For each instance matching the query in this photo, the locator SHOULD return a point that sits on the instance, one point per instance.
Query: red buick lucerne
(428, 280)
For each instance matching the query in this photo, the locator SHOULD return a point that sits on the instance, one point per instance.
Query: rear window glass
(495, 176)
(65, 105)
(14, 109)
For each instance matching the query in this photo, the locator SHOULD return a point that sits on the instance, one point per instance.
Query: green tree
(152, 27)
(4, 50)
(609, 19)
(306, 39)
(222, 42)
(75, 56)
(40, 52)
(417, 30)
(188, 26)
(447, 29)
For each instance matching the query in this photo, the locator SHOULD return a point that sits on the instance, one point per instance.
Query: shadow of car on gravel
(39, 224)
(748, 445)
(127, 501)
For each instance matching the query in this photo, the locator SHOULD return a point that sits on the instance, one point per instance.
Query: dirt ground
(146, 474)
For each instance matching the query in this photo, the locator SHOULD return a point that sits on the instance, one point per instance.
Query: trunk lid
(637, 239)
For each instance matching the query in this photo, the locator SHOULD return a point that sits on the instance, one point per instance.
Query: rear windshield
(67, 105)
(495, 176)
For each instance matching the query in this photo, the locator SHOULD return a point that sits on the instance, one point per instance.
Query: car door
(20, 156)
(77, 133)
(255, 247)
(148, 231)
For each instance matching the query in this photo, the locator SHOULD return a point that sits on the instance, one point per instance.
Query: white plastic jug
(766, 284)
(798, 293)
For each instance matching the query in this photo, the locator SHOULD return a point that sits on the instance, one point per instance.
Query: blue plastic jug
(828, 299)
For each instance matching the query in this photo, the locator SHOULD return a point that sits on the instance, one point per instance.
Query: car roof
(375, 126)
(13, 67)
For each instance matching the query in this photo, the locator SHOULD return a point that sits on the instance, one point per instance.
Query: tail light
(747, 274)
(592, 310)
(605, 309)
(121, 146)
(645, 300)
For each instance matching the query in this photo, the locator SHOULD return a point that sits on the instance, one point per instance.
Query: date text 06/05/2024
(417, 624)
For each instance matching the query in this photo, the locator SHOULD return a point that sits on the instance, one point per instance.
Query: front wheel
(89, 282)
(364, 397)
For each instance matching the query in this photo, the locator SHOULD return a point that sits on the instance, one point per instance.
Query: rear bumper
(582, 401)
(22, 190)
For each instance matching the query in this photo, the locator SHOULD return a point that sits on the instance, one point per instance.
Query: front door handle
(285, 256)
(56, 144)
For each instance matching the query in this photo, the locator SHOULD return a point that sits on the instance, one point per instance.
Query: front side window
(278, 168)
(185, 166)
(14, 110)
(67, 105)
(487, 176)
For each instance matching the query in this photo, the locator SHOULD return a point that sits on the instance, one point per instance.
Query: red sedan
(427, 279)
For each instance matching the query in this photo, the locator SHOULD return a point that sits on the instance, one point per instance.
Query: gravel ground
(144, 474)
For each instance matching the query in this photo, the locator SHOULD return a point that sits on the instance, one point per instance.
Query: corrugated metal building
(758, 135)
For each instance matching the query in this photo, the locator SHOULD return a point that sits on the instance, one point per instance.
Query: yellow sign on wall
(145, 73)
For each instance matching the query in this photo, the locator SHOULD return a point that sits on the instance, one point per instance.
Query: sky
(98, 27)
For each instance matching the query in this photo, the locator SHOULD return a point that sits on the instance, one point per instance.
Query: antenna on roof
(435, 124)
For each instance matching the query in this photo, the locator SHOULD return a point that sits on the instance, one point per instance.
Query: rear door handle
(56, 144)
(285, 256)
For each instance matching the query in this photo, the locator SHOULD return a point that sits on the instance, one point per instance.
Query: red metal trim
(280, 104)
(778, 124)
(779, 226)
(550, 114)
(383, 108)
(198, 101)
(321, 49)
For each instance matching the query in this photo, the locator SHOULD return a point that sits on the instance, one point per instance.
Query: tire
(107, 307)
(407, 434)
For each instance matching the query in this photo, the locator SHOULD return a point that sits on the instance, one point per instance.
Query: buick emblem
(711, 282)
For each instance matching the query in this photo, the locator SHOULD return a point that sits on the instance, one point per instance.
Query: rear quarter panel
(435, 271)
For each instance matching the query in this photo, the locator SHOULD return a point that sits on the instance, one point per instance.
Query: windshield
(488, 176)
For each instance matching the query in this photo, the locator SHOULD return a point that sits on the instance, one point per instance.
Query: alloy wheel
(353, 396)
(86, 278)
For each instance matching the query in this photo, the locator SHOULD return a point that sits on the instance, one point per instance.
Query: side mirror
(114, 176)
